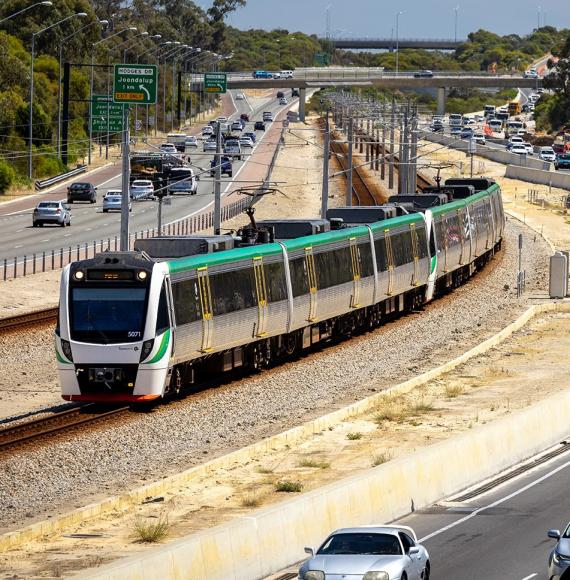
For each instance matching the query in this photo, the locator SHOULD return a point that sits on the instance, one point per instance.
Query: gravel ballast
(108, 460)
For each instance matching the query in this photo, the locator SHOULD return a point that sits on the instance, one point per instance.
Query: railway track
(29, 319)
(38, 430)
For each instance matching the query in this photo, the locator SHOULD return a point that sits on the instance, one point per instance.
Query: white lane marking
(66, 235)
(20, 246)
(89, 229)
(495, 503)
(109, 180)
(530, 576)
(18, 231)
(41, 241)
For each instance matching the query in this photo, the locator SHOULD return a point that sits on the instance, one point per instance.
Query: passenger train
(136, 326)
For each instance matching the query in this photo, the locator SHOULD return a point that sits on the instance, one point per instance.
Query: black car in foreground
(81, 191)
(259, 126)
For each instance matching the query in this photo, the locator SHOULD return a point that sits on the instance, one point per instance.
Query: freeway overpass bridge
(390, 43)
(320, 78)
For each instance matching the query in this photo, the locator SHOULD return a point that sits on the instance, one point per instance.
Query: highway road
(499, 534)
(89, 223)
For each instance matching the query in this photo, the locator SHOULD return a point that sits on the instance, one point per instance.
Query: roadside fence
(42, 184)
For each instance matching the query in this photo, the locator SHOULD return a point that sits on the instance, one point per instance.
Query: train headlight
(142, 275)
(66, 348)
(146, 348)
(79, 275)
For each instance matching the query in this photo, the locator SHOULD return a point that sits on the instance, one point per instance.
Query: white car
(529, 148)
(514, 141)
(368, 553)
(207, 130)
(276, 75)
(267, 116)
(286, 74)
(222, 120)
(547, 154)
(246, 142)
(141, 189)
(113, 200)
(191, 142)
(479, 138)
(240, 97)
(468, 121)
(519, 149)
(168, 148)
(209, 145)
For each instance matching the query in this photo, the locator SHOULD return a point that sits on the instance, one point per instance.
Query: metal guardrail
(42, 184)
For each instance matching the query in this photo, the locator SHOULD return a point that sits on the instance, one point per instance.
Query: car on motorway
(225, 164)
(280, 94)
(182, 180)
(232, 148)
(489, 110)
(168, 148)
(294, 93)
(251, 135)
(237, 126)
(428, 74)
(191, 142)
(276, 75)
(262, 74)
(529, 148)
(209, 145)
(244, 117)
(547, 154)
(466, 133)
(455, 131)
(267, 116)
(222, 119)
(562, 161)
(286, 74)
(468, 121)
(559, 558)
(436, 127)
(496, 125)
(141, 189)
(113, 201)
(259, 126)
(81, 191)
(479, 138)
(368, 553)
(207, 130)
(51, 212)
(515, 140)
(283, 101)
(530, 74)
(519, 149)
(240, 97)
(246, 142)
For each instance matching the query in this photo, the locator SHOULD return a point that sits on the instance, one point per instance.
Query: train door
(390, 262)
(461, 237)
(356, 273)
(430, 233)
(206, 306)
(261, 293)
(416, 255)
(172, 318)
(312, 278)
(490, 219)
(444, 242)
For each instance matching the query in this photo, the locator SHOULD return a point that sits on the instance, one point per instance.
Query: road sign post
(135, 84)
(216, 83)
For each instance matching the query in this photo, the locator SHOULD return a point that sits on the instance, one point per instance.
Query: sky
(420, 18)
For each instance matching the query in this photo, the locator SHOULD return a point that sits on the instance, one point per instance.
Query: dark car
(251, 135)
(280, 94)
(562, 161)
(436, 127)
(295, 92)
(467, 133)
(425, 74)
(81, 192)
(225, 164)
(244, 117)
(259, 126)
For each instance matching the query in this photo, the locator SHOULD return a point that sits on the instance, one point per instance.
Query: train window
(381, 258)
(402, 248)
(299, 279)
(453, 228)
(366, 266)
(440, 238)
(162, 318)
(186, 301)
(333, 268)
(232, 291)
(422, 241)
(275, 281)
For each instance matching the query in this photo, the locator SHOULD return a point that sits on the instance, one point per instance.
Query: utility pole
(218, 182)
(383, 165)
(326, 153)
(401, 159)
(350, 161)
(392, 146)
(414, 155)
(125, 198)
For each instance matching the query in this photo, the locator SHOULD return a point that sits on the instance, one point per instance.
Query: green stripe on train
(162, 348)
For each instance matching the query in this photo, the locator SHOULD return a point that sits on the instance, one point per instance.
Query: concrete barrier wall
(270, 539)
(487, 152)
(550, 178)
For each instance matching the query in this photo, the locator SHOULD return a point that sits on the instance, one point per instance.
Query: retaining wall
(270, 539)
(550, 178)
(487, 152)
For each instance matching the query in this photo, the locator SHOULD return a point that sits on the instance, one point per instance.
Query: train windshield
(107, 315)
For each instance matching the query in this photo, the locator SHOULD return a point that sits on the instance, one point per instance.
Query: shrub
(151, 532)
(7, 176)
(354, 436)
(289, 486)
(380, 458)
(313, 463)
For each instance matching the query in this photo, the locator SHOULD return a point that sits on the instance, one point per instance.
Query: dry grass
(354, 436)
(380, 458)
(289, 486)
(251, 500)
(265, 470)
(421, 407)
(453, 391)
(314, 464)
(390, 410)
(150, 532)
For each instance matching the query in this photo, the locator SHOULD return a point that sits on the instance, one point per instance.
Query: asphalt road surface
(89, 223)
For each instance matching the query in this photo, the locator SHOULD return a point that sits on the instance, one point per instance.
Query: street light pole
(45, 3)
(456, 10)
(398, 40)
(31, 112)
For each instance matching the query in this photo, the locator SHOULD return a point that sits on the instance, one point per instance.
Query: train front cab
(114, 338)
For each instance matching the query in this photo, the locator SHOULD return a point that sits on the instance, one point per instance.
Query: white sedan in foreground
(368, 553)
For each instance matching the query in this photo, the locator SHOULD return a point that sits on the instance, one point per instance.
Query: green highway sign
(135, 84)
(215, 83)
(103, 104)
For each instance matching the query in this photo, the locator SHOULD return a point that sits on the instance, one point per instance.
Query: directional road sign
(103, 104)
(215, 83)
(135, 84)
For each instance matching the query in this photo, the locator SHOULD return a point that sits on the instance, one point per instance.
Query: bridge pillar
(441, 100)
(302, 97)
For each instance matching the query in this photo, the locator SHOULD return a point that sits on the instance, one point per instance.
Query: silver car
(209, 145)
(368, 553)
(559, 559)
(114, 201)
(51, 212)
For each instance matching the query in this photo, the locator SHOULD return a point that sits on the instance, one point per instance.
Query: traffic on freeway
(89, 220)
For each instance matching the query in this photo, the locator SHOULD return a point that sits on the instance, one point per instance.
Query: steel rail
(21, 320)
